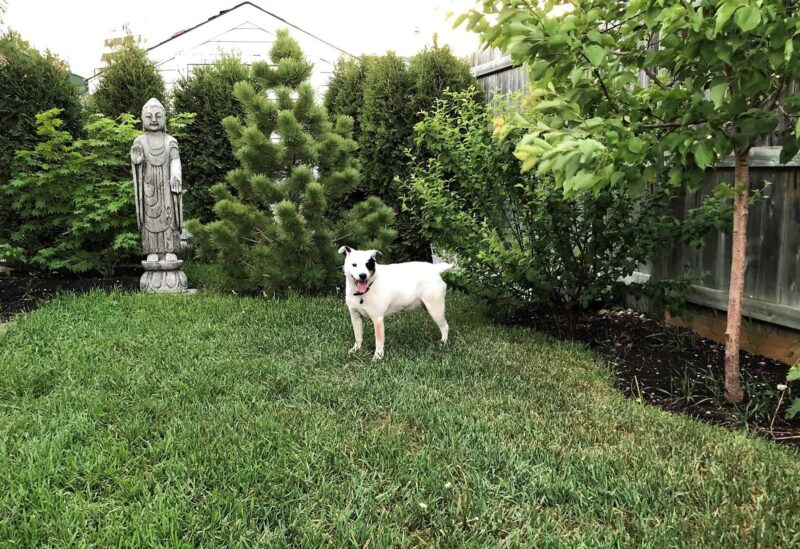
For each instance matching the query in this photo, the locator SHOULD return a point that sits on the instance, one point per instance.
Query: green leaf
(595, 36)
(596, 54)
(724, 14)
(538, 69)
(748, 18)
(717, 93)
(635, 144)
(754, 122)
(460, 19)
(703, 155)
(794, 409)
(794, 373)
(583, 180)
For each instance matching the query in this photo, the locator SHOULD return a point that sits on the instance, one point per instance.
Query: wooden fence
(772, 282)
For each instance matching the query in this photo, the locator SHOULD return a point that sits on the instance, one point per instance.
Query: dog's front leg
(358, 330)
(378, 323)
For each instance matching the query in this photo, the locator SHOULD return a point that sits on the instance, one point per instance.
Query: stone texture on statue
(158, 190)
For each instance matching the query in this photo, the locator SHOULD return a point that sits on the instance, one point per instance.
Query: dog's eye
(354, 264)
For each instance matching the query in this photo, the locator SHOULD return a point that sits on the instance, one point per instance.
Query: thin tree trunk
(733, 387)
(572, 322)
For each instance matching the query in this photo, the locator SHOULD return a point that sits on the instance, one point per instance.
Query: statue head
(154, 116)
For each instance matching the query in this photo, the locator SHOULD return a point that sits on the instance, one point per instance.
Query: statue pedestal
(164, 276)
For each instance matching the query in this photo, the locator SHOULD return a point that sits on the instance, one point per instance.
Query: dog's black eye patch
(371, 264)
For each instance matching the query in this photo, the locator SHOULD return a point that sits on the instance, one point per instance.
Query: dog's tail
(442, 267)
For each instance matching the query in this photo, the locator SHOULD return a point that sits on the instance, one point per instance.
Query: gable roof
(237, 6)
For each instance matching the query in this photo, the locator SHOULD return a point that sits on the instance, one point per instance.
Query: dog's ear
(345, 250)
(375, 253)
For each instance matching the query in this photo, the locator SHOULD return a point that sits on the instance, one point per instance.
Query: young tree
(719, 75)
(280, 213)
(206, 152)
(130, 79)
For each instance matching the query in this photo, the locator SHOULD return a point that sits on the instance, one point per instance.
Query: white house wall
(245, 31)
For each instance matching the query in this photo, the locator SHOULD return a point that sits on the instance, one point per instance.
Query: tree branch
(777, 95)
(654, 77)
(670, 125)
(602, 85)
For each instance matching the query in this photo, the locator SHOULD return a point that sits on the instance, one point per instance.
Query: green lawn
(144, 420)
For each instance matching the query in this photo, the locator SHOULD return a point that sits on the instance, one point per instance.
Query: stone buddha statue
(158, 187)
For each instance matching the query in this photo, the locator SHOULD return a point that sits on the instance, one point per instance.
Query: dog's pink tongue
(361, 285)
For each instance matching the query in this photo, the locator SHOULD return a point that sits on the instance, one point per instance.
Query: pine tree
(279, 214)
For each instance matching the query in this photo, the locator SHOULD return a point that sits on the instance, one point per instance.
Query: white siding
(245, 31)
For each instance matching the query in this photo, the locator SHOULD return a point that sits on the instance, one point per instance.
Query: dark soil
(677, 370)
(24, 293)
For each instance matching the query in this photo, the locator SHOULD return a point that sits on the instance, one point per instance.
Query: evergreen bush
(206, 153)
(345, 92)
(280, 214)
(30, 82)
(386, 96)
(128, 82)
(436, 70)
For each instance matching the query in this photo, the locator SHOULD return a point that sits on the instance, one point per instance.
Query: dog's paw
(443, 342)
(354, 349)
(378, 355)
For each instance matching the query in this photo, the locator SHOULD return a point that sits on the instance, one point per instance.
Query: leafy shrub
(126, 84)
(515, 235)
(73, 199)
(206, 153)
(281, 211)
(30, 82)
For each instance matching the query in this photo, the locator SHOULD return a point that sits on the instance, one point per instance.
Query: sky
(75, 30)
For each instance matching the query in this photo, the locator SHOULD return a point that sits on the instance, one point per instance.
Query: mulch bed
(677, 370)
(24, 293)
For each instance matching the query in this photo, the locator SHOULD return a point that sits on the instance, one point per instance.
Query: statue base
(164, 277)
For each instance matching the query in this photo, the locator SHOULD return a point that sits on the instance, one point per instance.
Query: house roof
(223, 12)
(237, 6)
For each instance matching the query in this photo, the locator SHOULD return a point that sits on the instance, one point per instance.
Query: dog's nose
(362, 276)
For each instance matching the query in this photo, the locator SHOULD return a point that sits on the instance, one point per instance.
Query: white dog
(378, 291)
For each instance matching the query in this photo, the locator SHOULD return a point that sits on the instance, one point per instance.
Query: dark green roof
(79, 82)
